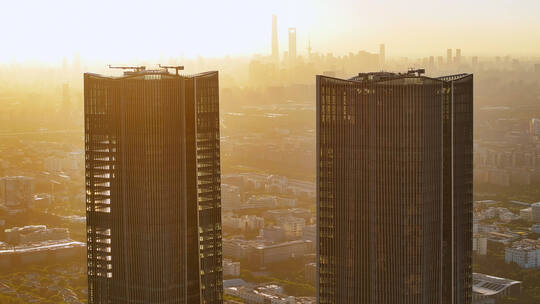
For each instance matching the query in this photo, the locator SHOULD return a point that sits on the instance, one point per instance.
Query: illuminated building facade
(394, 180)
(292, 46)
(153, 188)
(275, 45)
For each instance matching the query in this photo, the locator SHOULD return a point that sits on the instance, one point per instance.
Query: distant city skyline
(306, 152)
(96, 30)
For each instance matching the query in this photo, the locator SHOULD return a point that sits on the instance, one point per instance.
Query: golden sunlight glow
(132, 30)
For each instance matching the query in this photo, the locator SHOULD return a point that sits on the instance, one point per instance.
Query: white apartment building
(245, 223)
(231, 268)
(535, 212)
(293, 226)
(263, 201)
(525, 253)
(262, 255)
(261, 294)
(526, 214)
(480, 244)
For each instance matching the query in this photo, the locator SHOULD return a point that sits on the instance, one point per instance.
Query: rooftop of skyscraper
(138, 71)
(384, 75)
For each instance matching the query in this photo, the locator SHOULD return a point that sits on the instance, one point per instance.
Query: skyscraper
(292, 45)
(475, 62)
(153, 187)
(66, 101)
(275, 48)
(458, 57)
(449, 56)
(394, 180)
(309, 49)
(440, 61)
(382, 56)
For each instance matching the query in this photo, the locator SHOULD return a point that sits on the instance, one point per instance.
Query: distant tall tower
(65, 96)
(382, 55)
(153, 201)
(309, 49)
(457, 61)
(64, 65)
(475, 62)
(449, 56)
(292, 45)
(76, 63)
(394, 189)
(275, 46)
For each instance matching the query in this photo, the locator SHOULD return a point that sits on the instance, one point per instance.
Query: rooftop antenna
(418, 72)
(176, 67)
(135, 68)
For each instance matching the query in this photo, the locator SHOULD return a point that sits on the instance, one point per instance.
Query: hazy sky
(114, 30)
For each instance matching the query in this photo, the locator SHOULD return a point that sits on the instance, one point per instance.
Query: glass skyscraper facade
(153, 197)
(394, 189)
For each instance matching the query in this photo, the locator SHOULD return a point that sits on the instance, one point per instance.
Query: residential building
(310, 272)
(231, 268)
(526, 214)
(274, 234)
(296, 212)
(244, 223)
(16, 192)
(230, 197)
(292, 226)
(286, 202)
(525, 253)
(479, 244)
(264, 201)
(535, 212)
(276, 184)
(262, 255)
(236, 248)
(261, 294)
